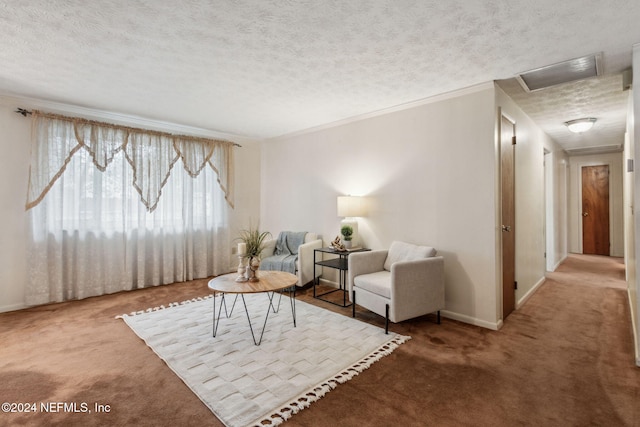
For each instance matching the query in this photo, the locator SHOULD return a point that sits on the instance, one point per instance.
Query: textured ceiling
(600, 97)
(264, 68)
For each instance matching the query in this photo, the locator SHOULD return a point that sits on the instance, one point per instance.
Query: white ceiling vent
(601, 149)
(562, 72)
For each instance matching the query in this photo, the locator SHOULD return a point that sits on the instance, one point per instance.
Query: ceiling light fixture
(580, 125)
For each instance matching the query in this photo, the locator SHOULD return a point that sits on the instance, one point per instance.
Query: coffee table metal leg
(216, 322)
(270, 295)
(228, 314)
(223, 302)
(275, 310)
(264, 326)
(292, 300)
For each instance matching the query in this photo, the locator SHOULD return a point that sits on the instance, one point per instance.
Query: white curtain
(111, 210)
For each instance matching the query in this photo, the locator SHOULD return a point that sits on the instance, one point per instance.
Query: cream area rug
(249, 385)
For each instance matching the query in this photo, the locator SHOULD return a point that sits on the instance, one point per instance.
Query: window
(111, 215)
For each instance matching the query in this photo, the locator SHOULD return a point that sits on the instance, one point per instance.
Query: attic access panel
(562, 72)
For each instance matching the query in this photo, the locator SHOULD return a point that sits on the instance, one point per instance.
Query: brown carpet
(564, 359)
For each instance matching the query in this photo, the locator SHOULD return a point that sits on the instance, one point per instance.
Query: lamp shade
(351, 206)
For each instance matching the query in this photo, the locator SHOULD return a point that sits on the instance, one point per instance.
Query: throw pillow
(401, 251)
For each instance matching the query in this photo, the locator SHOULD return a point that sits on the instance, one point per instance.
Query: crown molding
(15, 101)
(413, 104)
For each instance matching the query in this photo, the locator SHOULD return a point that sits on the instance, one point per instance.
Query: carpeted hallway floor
(564, 359)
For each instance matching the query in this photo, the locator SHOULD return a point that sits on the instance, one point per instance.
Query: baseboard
(13, 307)
(471, 320)
(555, 267)
(329, 283)
(634, 325)
(528, 295)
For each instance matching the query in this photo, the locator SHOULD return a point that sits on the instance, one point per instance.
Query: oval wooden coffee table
(269, 282)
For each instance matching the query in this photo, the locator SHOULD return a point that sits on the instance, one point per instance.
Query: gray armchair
(401, 283)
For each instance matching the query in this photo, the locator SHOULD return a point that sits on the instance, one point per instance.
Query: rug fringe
(163, 307)
(318, 392)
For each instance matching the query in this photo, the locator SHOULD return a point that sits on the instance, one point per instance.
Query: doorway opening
(508, 217)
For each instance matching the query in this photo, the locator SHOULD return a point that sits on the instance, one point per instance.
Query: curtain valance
(151, 155)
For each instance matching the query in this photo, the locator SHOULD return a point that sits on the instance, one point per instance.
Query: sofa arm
(305, 261)
(417, 287)
(364, 263)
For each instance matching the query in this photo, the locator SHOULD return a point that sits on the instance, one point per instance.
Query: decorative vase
(252, 267)
(347, 244)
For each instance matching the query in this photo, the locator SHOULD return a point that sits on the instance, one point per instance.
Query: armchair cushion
(378, 283)
(400, 251)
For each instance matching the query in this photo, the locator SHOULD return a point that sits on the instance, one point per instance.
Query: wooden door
(507, 195)
(595, 210)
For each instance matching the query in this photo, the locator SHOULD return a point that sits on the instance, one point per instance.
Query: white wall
(556, 207)
(14, 172)
(616, 217)
(14, 168)
(429, 172)
(633, 137)
(530, 198)
(247, 183)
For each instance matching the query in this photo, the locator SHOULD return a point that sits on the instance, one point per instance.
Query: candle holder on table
(242, 269)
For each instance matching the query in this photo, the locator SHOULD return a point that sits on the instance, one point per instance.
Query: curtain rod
(26, 113)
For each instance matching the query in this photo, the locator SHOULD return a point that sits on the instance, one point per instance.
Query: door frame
(499, 232)
(547, 202)
(579, 166)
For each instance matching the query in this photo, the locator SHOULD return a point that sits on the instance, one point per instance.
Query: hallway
(591, 270)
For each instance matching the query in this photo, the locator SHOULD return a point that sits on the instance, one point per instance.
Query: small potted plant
(347, 235)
